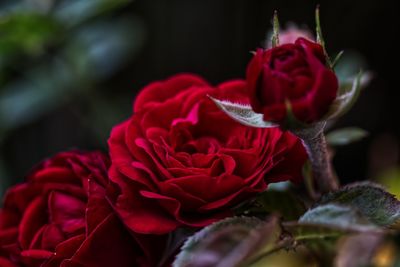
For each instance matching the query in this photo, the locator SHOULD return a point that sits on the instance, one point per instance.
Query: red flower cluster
(61, 217)
(177, 161)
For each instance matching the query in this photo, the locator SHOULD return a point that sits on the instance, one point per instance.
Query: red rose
(60, 217)
(291, 72)
(180, 161)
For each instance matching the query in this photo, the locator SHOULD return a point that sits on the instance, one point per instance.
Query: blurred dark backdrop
(69, 70)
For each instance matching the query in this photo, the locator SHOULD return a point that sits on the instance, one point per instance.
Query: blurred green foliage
(53, 52)
(390, 178)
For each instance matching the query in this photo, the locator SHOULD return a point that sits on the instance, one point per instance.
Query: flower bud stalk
(315, 144)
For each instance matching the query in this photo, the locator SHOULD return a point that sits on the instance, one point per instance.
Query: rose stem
(315, 144)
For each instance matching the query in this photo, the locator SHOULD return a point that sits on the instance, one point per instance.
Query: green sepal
(275, 30)
(320, 38)
(336, 59)
(345, 100)
(291, 121)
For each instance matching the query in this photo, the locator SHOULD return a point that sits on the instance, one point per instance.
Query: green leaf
(327, 221)
(243, 114)
(337, 216)
(230, 242)
(27, 33)
(358, 250)
(284, 203)
(345, 101)
(211, 240)
(371, 200)
(311, 231)
(345, 136)
(275, 30)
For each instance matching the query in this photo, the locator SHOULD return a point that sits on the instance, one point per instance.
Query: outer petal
(253, 73)
(6, 263)
(97, 208)
(325, 93)
(8, 236)
(108, 245)
(140, 214)
(35, 257)
(290, 167)
(193, 219)
(34, 217)
(315, 48)
(234, 90)
(274, 113)
(65, 250)
(15, 202)
(158, 92)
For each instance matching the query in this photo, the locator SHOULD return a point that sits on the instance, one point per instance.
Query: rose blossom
(179, 161)
(294, 74)
(60, 217)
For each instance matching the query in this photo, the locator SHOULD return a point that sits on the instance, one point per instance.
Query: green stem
(286, 243)
(315, 144)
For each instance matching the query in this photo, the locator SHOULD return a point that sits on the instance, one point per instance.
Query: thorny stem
(315, 144)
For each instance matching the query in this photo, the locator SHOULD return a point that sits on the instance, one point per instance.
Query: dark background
(163, 37)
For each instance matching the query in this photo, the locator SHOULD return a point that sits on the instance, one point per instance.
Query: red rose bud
(60, 217)
(294, 74)
(180, 161)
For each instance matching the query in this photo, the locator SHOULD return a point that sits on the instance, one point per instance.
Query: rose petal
(140, 214)
(160, 91)
(97, 208)
(108, 245)
(35, 257)
(67, 212)
(55, 174)
(6, 263)
(32, 220)
(51, 237)
(65, 250)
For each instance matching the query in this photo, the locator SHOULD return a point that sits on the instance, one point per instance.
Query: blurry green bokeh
(53, 52)
(390, 178)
